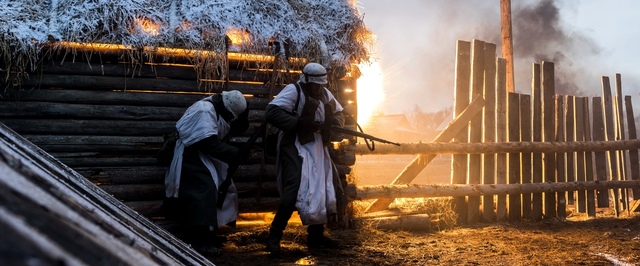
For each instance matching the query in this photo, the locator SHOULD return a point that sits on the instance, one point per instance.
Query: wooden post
(588, 156)
(609, 129)
(515, 210)
(489, 168)
(580, 169)
(561, 157)
(622, 163)
(549, 128)
(633, 153)
(525, 136)
(570, 129)
(536, 94)
(459, 161)
(507, 43)
(475, 128)
(501, 135)
(600, 156)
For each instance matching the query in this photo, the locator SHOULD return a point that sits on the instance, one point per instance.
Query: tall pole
(507, 42)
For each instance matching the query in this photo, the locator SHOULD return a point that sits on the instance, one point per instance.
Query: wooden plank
(536, 95)
(580, 156)
(561, 157)
(135, 84)
(633, 153)
(620, 135)
(600, 156)
(89, 127)
(501, 136)
(475, 128)
(513, 120)
(591, 204)
(570, 117)
(489, 127)
(459, 190)
(549, 127)
(421, 161)
(462, 93)
(609, 129)
(87, 111)
(525, 136)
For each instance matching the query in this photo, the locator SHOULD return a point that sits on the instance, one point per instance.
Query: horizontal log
(425, 191)
(132, 98)
(94, 140)
(152, 208)
(133, 192)
(147, 70)
(88, 111)
(135, 84)
(74, 162)
(505, 147)
(99, 111)
(123, 175)
(89, 127)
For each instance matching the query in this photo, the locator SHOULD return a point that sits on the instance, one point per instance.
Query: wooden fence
(527, 155)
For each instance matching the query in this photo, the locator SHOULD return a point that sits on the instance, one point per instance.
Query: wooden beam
(499, 147)
(507, 41)
(426, 191)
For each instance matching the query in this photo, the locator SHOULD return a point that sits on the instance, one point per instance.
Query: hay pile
(328, 31)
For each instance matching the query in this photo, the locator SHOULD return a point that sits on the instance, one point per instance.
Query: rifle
(345, 131)
(231, 170)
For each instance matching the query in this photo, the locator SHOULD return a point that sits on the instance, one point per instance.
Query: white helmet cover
(234, 101)
(314, 73)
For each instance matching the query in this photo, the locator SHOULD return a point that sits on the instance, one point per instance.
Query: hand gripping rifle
(231, 170)
(349, 132)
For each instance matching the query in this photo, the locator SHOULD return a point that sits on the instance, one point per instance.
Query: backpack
(271, 141)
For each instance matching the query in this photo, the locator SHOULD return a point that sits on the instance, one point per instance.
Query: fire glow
(370, 91)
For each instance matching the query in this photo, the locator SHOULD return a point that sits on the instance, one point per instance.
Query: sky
(586, 39)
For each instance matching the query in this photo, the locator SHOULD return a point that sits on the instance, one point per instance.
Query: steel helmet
(314, 73)
(234, 102)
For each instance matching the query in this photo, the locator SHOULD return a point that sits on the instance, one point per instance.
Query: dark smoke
(540, 35)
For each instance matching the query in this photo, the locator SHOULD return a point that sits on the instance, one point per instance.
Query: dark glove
(306, 127)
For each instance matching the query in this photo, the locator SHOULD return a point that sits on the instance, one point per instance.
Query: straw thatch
(327, 31)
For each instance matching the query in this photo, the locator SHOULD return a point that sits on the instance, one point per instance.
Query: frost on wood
(307, 25)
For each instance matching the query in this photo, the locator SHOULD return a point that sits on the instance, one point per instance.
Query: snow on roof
(311, 27)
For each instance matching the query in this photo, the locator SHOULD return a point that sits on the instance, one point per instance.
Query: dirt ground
(577, 240)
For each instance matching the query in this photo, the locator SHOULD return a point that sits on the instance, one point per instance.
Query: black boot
(198, 238)
(317, 239)
(273, 240)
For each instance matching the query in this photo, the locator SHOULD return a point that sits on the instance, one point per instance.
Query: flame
(370, 92)
(148, 26)
(237, 36)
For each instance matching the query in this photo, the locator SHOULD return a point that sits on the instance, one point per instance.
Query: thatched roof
(331, 31)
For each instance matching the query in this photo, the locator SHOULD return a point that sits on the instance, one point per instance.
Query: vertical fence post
(580, 169)
(633, 154)
(501, 136)
(588, 156)
(622, 163)
(536, 94)
(600, 156)
(549, 128)
(525, 135)
(513, 119)
(459, 161)
(609, 129)
(489, 169)
(475, 128)
(570, 130)
(561, 174)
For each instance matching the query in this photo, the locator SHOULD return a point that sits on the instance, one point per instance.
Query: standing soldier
(303, 165)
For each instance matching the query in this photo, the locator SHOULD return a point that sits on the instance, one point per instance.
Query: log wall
(105, 117)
